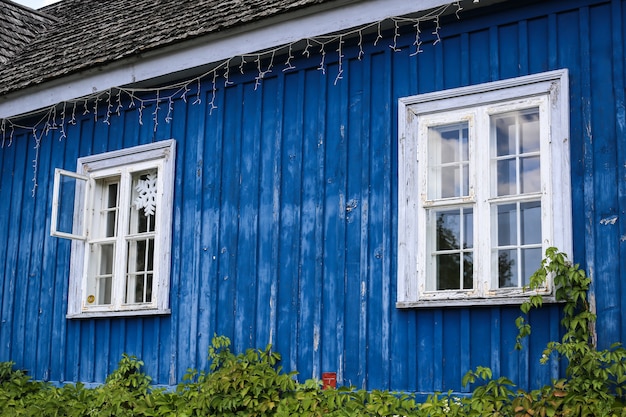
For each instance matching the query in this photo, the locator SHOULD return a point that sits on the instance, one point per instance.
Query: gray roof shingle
(19, 25)
(91, 33)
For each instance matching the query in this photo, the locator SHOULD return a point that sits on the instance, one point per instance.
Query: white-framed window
(120, 229)
(484, 190)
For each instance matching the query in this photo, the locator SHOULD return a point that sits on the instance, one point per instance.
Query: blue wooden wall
(285, 214)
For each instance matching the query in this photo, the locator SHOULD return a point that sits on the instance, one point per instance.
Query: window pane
(104, 290)
(100, 275)
(150, 255)
(531, 222)
(448, 272)
(106, 259)
(507, 268)
(517, 143)
(453, 255)
(468, 271)
(148, 287)
(529, 135)
(448, 161)
(138, 271)
(505, 135)
(144, 198)
(468, 227)
(448, 230)
(531, 261)
(507, 225)
(107, 203)
(530, 174)
(507, 178)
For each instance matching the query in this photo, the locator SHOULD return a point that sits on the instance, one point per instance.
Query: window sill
(118, 313)
(469, 302)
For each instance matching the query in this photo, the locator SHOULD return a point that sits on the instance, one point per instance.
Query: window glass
(449, 161)
(452, 257)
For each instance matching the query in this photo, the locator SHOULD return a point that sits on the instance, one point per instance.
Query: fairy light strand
(115, 97)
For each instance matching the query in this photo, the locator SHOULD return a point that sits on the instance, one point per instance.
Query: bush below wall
(253, 384)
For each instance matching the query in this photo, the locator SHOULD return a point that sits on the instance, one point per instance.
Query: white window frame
(90, 169)
(549, 91)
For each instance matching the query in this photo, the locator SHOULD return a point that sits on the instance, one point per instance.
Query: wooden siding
(285, 225)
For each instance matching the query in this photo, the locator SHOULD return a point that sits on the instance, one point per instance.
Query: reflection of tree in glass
(448, 265)
(505, 270)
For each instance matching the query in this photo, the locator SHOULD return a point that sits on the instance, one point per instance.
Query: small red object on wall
(329, 380)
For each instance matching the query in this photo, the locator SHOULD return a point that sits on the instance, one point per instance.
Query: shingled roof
(92, 33)
(19, 25)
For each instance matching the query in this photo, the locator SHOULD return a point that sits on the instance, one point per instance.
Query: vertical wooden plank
(102, 353)
(355, 202)
(334, 228)
(425, 350)
(494, 54)
(151, 347)
(496, 340)
(15, 172)
(40, 340)
(426, 74)
(246, 288)
(177, 281)
(290, 222)
(319, 112)
(365, 254)
(84, 370)
(7, 160)
(509, 357)
(618, 14)
(606, 284)
(39, 216)
(402, 341)
(24, 223)
(587, 141)
(310, 220)
(480, 343)
(210, 226)
(568, 49)
(268, 224)
(64, 159)
(450, 348)
(192, 146)
(479, 52)
(194, 143)
(230, 199)
(507, 53)
(380, 239)
(451, 67)
(535, 44)
(524, 50)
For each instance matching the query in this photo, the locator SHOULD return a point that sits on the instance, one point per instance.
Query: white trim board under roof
(194, 55)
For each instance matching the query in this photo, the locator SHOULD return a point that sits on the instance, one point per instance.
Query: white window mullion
(159, 232)
(122, 244)
(484, 235)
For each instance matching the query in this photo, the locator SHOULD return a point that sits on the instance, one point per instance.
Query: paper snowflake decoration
(146, 194)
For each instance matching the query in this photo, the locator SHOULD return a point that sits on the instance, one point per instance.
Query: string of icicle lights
(58, 116)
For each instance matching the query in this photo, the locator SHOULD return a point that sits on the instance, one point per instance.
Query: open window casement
(69, 183)
(121, 232)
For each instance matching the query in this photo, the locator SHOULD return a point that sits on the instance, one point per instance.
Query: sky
(35, 4)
